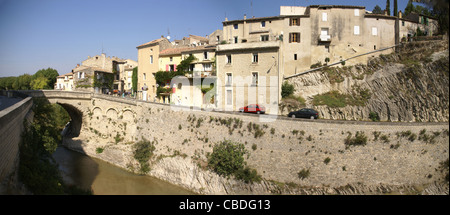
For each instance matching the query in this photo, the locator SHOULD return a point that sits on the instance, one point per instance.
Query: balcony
(324, 38)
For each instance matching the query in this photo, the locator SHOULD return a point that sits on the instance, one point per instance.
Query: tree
(287, 89)
(39, 83)
(48, 73)
(409, 8)
(395, 8)
(135, 79)
(185, 64)
(388, 7)
(377, 10)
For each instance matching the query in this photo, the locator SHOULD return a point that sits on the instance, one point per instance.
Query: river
(106, 179)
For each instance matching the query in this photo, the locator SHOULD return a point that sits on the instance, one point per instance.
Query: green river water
(106, 179)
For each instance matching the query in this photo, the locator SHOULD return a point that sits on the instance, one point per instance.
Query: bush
(248, 175)
(287, 89)
(374, 116)
(304, 173)
(227, 158)
(143, 151)
(360, 139)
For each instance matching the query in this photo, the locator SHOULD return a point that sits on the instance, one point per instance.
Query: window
(327, 48)
(82, 74)
(205, 55)
(151, 59)
(229, 59)
(295, 56)
(229, 79)
(217, 38)
(171, 68)
(235, 26)
(324, 17)
(207, 67)
(145, 76)
(171, 59)
(294, 37)
(356, 12)
(294, 22)
(374, 47)
(263, 24)
(264, 37)
(356, 30)
(255, 58)
(254, 79)
(374, 31)
(235, 39)
(229, 97)
(403, 23)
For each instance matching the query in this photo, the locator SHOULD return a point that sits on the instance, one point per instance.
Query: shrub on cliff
(360, 139)
(227, 159)
(143, 151)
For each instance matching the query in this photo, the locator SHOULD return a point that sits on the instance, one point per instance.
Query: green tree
(135, 79)
(185, 64)
(287, 90)
(39, 83)
(377, 10)
(23, 82)
(227, 158)
(48, 73)
(388, 7)
(409, 8)
(395, 8)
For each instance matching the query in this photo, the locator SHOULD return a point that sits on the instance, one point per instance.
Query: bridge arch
(73, 128)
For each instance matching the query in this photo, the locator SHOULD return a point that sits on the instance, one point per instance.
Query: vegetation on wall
(143, 151)
(227, 159)
(37, 168)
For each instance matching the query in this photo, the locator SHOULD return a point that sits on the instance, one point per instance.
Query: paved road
(5, 102)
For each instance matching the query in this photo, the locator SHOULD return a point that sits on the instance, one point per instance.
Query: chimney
(245, 16)
(78, 65)
(400, 15)
(385, 12)
(226, 19)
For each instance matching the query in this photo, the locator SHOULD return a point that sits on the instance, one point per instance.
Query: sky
(38, 34)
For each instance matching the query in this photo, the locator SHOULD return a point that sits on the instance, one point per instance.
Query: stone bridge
(396, 153)
(83, 106)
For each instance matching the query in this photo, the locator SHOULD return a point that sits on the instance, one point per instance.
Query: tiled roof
(151, 42)
(173, 51)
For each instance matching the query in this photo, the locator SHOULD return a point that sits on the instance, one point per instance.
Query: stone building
(101, 74)
(260, 52)
(64, 82)
(148, 66)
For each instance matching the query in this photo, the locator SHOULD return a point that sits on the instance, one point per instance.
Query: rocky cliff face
(409, 86)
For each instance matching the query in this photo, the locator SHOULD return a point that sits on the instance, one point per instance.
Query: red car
(255, 108)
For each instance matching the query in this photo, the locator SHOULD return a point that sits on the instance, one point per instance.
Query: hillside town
(252, 52)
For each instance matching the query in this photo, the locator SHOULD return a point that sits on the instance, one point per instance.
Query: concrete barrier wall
(11, 127)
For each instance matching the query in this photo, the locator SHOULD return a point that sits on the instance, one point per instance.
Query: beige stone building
(272, 48)
(148, 66)
(101, 74)
(64, 82)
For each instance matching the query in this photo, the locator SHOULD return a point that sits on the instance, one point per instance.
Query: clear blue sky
(37, 34)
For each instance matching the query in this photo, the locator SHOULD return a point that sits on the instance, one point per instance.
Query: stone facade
(317, 34)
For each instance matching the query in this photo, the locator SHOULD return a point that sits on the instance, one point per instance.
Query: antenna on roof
(251, 8)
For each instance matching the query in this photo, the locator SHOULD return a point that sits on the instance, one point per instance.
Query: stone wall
(11, 127)
(396, 154)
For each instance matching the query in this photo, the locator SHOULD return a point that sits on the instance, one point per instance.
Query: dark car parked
(255, 108)
(304, 113)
